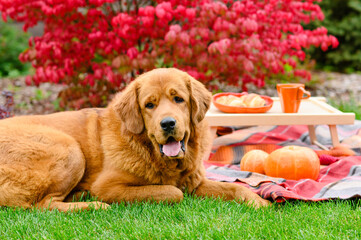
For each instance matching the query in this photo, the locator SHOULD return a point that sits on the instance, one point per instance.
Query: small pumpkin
(253, 161)
(293, 162)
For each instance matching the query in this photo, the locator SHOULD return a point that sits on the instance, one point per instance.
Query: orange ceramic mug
(290, 95)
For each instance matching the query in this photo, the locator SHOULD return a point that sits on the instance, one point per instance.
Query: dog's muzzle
(173, 147)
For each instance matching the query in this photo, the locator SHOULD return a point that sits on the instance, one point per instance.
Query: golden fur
(114, 153)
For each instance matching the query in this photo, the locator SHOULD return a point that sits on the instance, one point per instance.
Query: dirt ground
(30, 99)
(43, 99)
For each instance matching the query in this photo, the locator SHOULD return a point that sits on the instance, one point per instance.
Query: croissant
(253, 100)
(247, 100)
(227, 100)
(237, 103)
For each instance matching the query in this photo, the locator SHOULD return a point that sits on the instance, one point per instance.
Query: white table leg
(334, 135)
(313, 138)
(312, 133)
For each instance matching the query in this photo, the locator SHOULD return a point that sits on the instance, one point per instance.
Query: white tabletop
(312, 111)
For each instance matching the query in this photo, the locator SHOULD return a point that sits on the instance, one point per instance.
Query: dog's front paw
(259, 202)
(99, 205)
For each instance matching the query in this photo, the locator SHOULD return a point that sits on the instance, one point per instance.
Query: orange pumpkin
(253, 161)
(293, 162)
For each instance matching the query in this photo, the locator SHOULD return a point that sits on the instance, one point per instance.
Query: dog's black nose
(168, 124)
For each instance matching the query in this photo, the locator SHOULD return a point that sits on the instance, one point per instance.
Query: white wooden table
(313, 111)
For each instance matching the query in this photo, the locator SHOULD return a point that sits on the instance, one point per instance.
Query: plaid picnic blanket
(340, 177)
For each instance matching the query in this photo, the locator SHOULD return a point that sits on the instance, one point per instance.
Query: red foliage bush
(97, 46)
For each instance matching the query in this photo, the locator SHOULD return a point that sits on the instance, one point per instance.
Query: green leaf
(39, 94)
(288, 68)
(159, 62)
(356, 5)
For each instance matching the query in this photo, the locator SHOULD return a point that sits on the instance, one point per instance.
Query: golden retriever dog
(147, 145)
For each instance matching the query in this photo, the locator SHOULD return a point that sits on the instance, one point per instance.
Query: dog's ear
(126, 105)
(200, 99)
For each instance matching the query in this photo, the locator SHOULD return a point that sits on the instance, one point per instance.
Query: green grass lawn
(194, 218)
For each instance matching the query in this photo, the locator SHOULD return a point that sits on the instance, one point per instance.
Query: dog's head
(164, 104)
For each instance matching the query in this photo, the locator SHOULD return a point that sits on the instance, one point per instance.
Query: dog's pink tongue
(171, 149)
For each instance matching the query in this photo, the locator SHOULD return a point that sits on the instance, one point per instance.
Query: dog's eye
(149, 105)
(178, 99)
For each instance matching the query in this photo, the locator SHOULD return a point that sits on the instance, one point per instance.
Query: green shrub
(352, 105)
(343, 20)
(12, 42)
